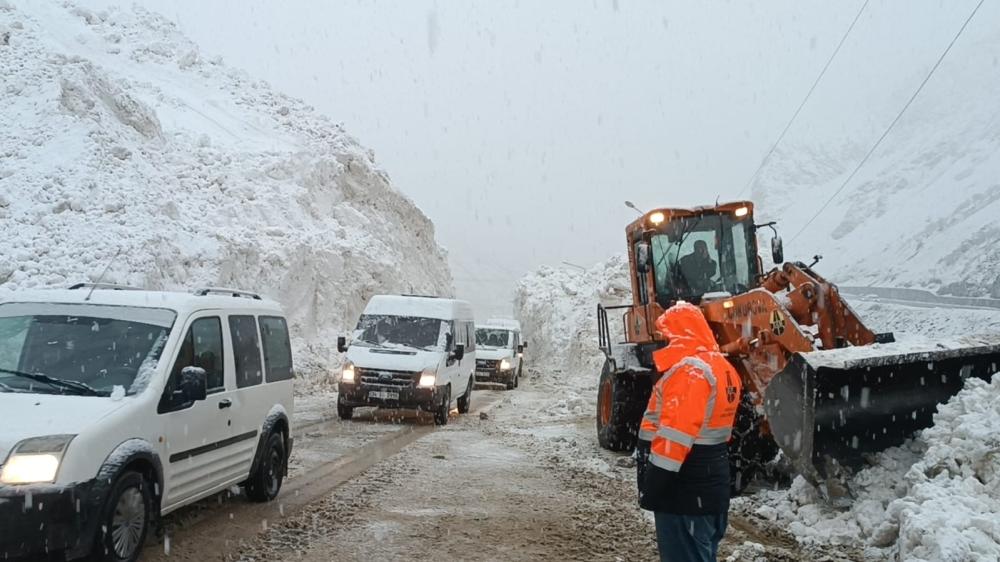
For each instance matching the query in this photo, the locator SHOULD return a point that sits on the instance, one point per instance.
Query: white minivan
(119, 406)
(500, 355)
(410, 352)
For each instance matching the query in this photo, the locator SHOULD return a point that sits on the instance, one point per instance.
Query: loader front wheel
(621, 400)
(750, 449)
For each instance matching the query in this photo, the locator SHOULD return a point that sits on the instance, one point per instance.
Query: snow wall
(124, 147)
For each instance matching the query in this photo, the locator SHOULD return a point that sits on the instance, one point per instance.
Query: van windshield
(492, 338)
(85, 350)
(381, 330)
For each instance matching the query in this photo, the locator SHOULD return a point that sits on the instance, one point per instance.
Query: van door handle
(225, 403)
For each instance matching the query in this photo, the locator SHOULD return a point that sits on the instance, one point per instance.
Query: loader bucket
(842, 404)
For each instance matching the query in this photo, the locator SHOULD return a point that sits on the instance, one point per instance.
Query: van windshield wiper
(80, 388)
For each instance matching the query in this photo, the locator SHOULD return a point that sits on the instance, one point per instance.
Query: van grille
(486, 364)
(387, 378)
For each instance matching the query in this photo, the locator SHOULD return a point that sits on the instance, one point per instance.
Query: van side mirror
(193, 384)
(642, 257)
(777, 250)
(524, 344)
(459, 351)
(342, 344)
(520, 350)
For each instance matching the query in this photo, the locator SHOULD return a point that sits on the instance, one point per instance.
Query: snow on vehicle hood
(494, 354)
(37, 415)
(393, 359)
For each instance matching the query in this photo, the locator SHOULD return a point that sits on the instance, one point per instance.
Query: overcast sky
(520, 127)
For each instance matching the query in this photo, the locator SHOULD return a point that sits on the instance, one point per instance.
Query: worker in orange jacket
(683, 457)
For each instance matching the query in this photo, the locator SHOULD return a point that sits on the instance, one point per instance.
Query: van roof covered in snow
(505, 323)
(420, 307)
(180, 302)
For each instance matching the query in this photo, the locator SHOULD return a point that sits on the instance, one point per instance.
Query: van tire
(441, 413)
(130, 503)
(345, 412)
(465, 401)
(265, 482)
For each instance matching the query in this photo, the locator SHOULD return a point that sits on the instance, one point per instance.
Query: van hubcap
(128, 522)
(272, 472)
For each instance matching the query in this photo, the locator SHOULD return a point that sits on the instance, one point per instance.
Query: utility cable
(788, 126)
(893, 124)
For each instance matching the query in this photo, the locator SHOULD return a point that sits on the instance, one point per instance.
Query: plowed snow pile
(558, 313)
(936, 498)
(120, 139)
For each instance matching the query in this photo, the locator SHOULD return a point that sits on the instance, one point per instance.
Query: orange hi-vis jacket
(695, 400)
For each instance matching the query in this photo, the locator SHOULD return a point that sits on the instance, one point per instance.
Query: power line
(893, 124)
(804, 100)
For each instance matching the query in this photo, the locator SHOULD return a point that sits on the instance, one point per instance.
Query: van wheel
(441, 414)
(465, 401)
(126, 519)
(265, 482)
(345, 412)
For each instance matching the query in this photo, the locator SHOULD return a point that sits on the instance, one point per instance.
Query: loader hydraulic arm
(812, 300)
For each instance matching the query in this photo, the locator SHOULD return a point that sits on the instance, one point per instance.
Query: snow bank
(123, 145)
(937, 498)
(558, 313)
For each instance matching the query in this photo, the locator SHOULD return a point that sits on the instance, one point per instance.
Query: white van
(120, 406)
(410, 352)
(500, 355)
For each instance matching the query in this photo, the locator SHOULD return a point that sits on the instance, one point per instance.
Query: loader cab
(686, 254)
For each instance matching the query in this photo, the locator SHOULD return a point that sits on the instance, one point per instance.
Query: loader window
(701, 255)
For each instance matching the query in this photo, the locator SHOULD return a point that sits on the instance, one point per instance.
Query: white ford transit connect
(119, 406)
(410, 352)
(500, 355)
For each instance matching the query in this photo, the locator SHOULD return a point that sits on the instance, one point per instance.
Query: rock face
(123, 148)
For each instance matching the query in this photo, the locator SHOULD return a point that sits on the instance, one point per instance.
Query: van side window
(277, 348)
(246, 347)
(201, 347)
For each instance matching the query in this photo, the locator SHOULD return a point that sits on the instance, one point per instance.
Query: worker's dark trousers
(689, 538)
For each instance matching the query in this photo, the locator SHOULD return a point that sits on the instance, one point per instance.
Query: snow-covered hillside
(922, 212)
(122, 144)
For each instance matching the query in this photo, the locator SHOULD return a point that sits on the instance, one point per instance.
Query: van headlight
(35, 460)
(347, 375)
(504, 365)
(427, 378)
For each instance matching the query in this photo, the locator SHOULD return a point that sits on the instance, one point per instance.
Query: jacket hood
(687, 333)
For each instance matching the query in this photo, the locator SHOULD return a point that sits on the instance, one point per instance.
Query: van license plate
(383, 395)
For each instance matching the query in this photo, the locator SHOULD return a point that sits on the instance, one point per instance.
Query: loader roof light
(742, 212)
(727, 304)
(657, 218)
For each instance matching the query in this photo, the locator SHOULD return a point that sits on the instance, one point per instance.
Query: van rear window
(277, 348)
(246, 348)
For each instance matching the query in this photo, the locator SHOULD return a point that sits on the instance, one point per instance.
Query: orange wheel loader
(819, 385)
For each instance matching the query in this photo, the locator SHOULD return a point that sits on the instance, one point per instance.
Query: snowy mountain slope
(122, 147)
(922, 212)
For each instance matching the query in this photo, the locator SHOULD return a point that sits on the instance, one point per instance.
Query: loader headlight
(428, 378)
(741, 212)
(35, 460)
(504, 365)
(657, 218)
(348, 373)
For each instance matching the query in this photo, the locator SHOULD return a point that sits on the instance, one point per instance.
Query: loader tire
(621, 401)
(750, 449)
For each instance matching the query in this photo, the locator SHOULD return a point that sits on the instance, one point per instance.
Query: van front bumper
(359, 395)
(39, 519)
